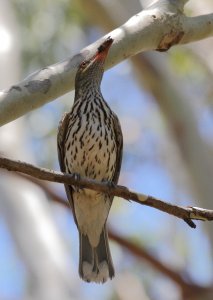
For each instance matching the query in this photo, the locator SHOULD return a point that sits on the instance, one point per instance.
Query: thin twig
(188, 287)
(185, 213)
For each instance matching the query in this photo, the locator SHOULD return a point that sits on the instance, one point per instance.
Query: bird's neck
(88, 92)
(90, 100)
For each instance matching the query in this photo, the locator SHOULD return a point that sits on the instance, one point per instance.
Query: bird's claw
(110, 184)
(77, 177)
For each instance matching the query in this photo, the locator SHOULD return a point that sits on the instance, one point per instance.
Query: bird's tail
(95, 264)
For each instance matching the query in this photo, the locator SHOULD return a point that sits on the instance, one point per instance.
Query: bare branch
(158, 27)
(185, 213)
(189, 288)
(169, 5)
(196, 28)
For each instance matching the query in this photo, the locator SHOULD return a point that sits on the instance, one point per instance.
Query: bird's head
(91, 70)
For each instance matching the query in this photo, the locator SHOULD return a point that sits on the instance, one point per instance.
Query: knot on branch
(170, 39)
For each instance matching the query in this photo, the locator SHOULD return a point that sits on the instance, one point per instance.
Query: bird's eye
(83, 64)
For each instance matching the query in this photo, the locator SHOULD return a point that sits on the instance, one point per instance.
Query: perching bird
(90, 143)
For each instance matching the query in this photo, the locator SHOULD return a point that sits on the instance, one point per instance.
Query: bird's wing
(119, 143)
(62, 130)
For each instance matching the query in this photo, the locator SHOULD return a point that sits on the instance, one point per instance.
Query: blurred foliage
(49, 31)
(185, 63)
(52, 30)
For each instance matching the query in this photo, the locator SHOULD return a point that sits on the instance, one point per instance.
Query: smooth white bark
(157, 27)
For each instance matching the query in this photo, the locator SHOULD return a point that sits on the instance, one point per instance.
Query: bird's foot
(110, 184)
(77, 177)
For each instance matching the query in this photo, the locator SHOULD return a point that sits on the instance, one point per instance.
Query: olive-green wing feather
(119, 143)
(62, 130)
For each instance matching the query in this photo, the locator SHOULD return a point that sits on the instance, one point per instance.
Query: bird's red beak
(103, 49)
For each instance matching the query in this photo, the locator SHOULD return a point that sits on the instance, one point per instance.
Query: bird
(90, 144)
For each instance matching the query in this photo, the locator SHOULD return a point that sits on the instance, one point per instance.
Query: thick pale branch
(157, 27)
(196, 28)
(186, 213)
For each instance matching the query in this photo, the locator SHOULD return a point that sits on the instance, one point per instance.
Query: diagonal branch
(188, 287)
(160, 26)
(185, 213)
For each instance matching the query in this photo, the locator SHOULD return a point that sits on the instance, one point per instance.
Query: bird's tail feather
(95, 264)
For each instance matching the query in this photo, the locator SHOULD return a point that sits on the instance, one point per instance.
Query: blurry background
(165, 105)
